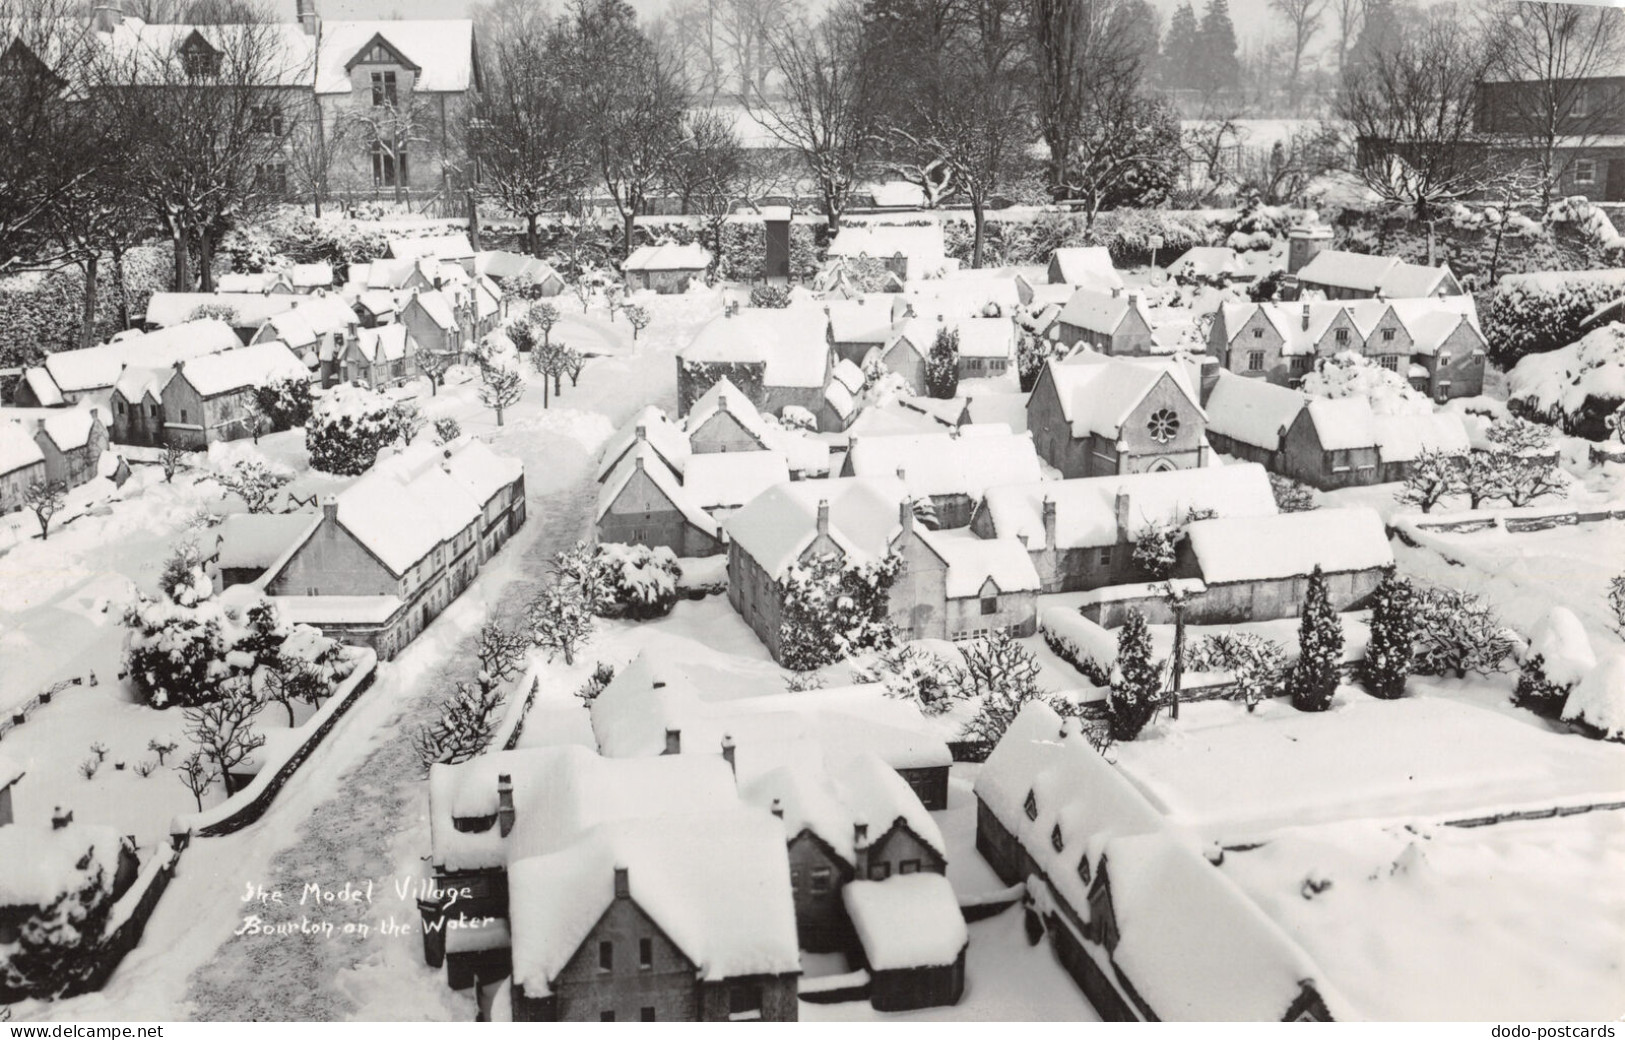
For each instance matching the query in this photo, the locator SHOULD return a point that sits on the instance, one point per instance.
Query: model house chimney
(60, 818)
(1049, 522)
(504, 804)
(1066, 728)
(1117, 291)
(674, 742)
(728, 753)
(905, 513)
(1022, 538)
(902, 473)
(643, 432)
(623, 883)
(860, 850)
(722, 402)
(107, 15)
(778, 808)
(1122, 515)
(95, 416)
(330, 507)
(306, 10)
(823, 516)
(637, 462)
(1306, 317)
(1133, 299)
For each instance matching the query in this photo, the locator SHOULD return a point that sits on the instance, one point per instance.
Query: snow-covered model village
(889, 510)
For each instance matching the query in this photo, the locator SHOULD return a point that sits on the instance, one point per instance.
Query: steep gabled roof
(1098, 393)
(964, 461)
(1289, 545)
(780, 524)
(1087, 265)
(723, 396)
(230, 370)
(442, 51)
(644, 458)
(1252, 411)
(664, 436)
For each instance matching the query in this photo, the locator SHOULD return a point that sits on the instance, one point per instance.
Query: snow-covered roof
(1098, 393)
(790, 342)
(643, 458)
(963, 461)
(668, 256)
(18, 449)
(382, 343)
(336, 610)
(283, 55)
(829, 794)
(781, 523)
(1403, 438)
(1252, 411)
(848, 375)
(1289, 545)
(1097, 311)
(43, 864)
(1075, 793)
(438, 307)
(1432, 320)
(987, 338)
(908, 921)
(441, 51)
(310, 276)
(437, 247)
(44, 388)
(973, 562)
(965, 293)
(559, 793)
(724, 396)
(231, 370)
(481, 471)
(1343, 423)
(260, 281)
(1191, 943)
(664, 436)
(1086, 509)
(1087, 265)
(1384, 275)
(93, 368)
(729, 479)
(497, 263)
(257, 540)
(923, 243)
(716, 884)
(250, 310)
(11, 771)
(1598, 699)
(1206, 262)
(70, 429)
(655, 694)
(863, 320)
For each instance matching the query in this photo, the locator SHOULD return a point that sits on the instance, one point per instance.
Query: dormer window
(1057, 842)
(1030, 806)
(1083, 868)
(199, 58)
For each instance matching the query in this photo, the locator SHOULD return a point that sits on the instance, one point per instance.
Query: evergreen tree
(1217, 67)
(1136, 680)
(942, 366)
(1179, 49)
(1320, 650)
(1393, 635)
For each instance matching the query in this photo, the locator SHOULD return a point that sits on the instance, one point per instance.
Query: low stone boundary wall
(128, 920)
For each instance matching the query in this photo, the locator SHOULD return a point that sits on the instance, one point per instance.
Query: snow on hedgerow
(1572, 382)
(1347, 374)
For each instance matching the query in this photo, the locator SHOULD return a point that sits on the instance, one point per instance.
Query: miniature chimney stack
(1117, 291)
(95, 416)
(902, 474)
(643, 432)
(504, 804)
(60, 818)
(722, 402)
(623, 883)
(860, 850)
(330, 507)
(1133, 299)
(823, 516)
(1306, 317)
(1122, 515)
(107, 15)
(728, 753)
(778, 808)
(674, 742)
(905, 513)
(306, 10)
(1049, 522)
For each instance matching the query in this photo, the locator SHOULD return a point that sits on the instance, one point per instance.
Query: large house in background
(1514, 120)
(389, 97)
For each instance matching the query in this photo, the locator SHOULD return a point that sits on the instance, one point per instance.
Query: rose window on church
(1164, 425)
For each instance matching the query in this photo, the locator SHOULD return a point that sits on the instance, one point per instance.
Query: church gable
(380, 51)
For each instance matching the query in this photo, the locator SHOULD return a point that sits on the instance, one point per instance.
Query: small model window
(1163, 425)
(1030, 806)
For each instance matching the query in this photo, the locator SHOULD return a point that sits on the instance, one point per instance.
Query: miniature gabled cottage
(1086, 266)
(778, 357)
(68, 376)
(1111, 323)
(987, 347)
(1095, 416)
(666, 268)
(649, 426)
(952, 469)
(642, 502)
(1248, 419)
(724, 419)
(1342, 275)
(867, 323)
(211, 398)
(1332, 444)
(22, 464)
(72, 442)
(911, 938)
(684, 918)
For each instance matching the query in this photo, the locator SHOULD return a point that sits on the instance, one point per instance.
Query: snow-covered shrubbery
(1598, 700)
(55, 941)
(41, 311)
(1559, 656)
(999, 674)
(637, 581)
(1291, 496)
(1577, 387)
(294, 236)
(285, 403)
(1314, 677)
(1456, 633)
(1532, 314)
(942, 364)
(835, 610)
(1257, 665)
(1391, 650)
(1348, 374)
(911, 674)
(1136, 680)
(348, 427)
(742, 251)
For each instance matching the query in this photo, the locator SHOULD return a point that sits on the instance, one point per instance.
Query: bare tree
(198, 774)
(707, 167)
(1349, 15)
(394, 130)
(1544, 94)
(1304, 20)
(45, 498)
(501, 651)
(223, 728)
(500, 389)
(824, 111)
(433, 365)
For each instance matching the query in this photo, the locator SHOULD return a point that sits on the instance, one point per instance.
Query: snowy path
(358, 810)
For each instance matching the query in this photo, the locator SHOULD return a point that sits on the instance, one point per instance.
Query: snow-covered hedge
(348, 427)
(1598, 701)
(1540, 312)
(40, 311)
(1079, 642)
(1576, 387)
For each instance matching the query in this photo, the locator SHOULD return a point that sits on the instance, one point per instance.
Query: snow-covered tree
(1320, 649)
(572, 362)
(560, 621)
(501, 652)
(912, 674)
(463, 729)
(45, 498)
(58, 943)
(544, 316)
(285, 403)
(183, 579)
(1456, 633)
(1348, 374)
(1616, 423)
(834, 610)
(1616, 598)
(1526, 478)
(602, 675)
(638, 582)
(1291, 496)
(409, 420)
(1537, 691)
(1136, 680)
(446, 431)
(501, 388)
(576, 568)
(176, 458)
(1032, 353)
(1393, 637)
(198, 774)
(942, 365)
(1002, 676)
(1433, 475)
(256, 482)
(1522, 437)
(223, 728)
(1257, 665)
(638, 317)
(348, 427)
(174, 654)
(433, 364)
(1156, 550)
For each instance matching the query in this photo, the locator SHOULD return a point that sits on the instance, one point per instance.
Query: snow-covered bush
(56, 943)
(911, 674)
(638, 582)
(1559, 656)
(1576, 387)
(1432, 476)
(942, 364)
(1002, 676)
(446, 431)
(348, 427)
(1457, 632)
(560, 621)
(1392, 647)
(1347, 374)
(602, 675)
(285, 402)
(770, 296)
(1291, 496)
(1598, 700)
(742, 252)
(1313, 681)
(1531, 314)
(255, 481)
(175, 654)
(1616, 598)
(834, 610)
(1257, 665)
(1136, 680)
(463, 728)
(1156, 550)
